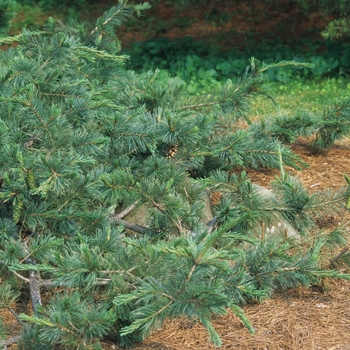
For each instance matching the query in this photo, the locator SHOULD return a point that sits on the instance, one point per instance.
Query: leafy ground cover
(207, 44)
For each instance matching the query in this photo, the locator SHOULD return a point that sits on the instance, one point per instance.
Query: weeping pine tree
(107, 224)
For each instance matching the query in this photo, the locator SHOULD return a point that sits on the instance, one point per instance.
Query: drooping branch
(118, 218)
(114, 14)
(201, 105)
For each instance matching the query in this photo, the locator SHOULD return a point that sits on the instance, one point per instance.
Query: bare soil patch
(231, 24)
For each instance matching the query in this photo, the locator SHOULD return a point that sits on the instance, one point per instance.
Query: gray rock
(280, 226)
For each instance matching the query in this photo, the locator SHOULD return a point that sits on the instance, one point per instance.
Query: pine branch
(35, 294)
(280, 64)
(162, 208)
(17, 38)
(90, 52)
(27, 280)
(211, 224)
(45, 322)
(15, 315)
(126, 211)
(117, 14)
(7, 12)
(112, 13)
(132, 227)
(201, 105)
(338, 256)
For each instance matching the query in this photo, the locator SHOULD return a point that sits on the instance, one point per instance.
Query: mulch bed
(299, 319)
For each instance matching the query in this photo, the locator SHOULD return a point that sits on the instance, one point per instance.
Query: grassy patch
(313, 95)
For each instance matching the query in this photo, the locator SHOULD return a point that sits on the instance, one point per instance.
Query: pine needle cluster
(323, 129)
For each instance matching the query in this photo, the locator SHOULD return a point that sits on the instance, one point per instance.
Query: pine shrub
(84, 143)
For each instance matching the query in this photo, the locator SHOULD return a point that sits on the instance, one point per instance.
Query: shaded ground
(232, 24)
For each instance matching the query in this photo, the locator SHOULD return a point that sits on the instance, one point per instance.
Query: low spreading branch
(15, 315)
(132, 227)
(126, 211)
(27, 280)
(338, 256)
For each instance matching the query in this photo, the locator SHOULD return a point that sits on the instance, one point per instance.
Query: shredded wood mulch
(326, 170)
(299, 319)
